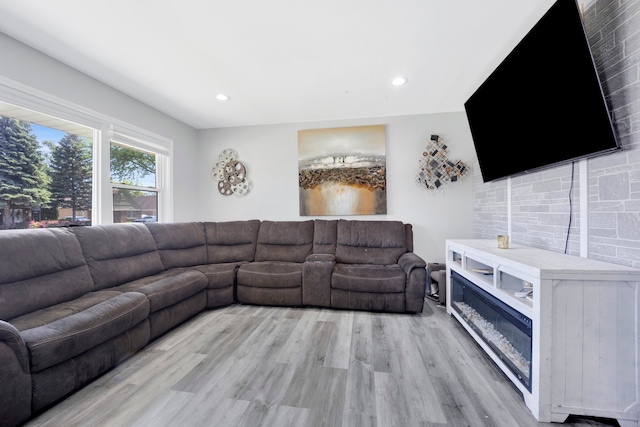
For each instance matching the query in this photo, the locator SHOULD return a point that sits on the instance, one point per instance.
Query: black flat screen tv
(543, 105)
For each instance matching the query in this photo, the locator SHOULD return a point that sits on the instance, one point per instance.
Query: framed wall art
(342, 171)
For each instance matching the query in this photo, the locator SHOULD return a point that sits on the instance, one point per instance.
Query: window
(133, 183)
(139, 178)
(63, 165)
(45, 171)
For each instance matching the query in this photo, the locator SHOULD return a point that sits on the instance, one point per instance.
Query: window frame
(105, 130)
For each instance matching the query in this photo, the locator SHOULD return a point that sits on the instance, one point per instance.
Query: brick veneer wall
(539, 202)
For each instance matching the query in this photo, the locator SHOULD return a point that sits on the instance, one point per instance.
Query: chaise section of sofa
(125, 258)
(57, 332)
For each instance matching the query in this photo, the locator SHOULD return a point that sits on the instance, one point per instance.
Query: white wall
(32, 68)
(270, 154)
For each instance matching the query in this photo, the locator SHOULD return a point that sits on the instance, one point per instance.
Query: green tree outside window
(71, 172)
(23, 177)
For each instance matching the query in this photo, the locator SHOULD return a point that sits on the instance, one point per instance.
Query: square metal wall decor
(342, 171)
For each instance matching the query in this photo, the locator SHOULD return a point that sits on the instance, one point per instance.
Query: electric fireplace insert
(505, 330)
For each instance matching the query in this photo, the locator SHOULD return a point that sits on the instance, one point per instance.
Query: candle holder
(503, 241)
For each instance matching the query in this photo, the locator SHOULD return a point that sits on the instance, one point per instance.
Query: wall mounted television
(543, 105)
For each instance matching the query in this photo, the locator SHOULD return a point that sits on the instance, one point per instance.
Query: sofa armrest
(415, 269)
(409, 260)
(11, 337)
(15, 387)
(316, 279)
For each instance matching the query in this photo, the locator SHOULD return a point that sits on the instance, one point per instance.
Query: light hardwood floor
(265, 366)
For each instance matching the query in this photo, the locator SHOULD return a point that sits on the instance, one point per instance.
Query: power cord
(566, 243)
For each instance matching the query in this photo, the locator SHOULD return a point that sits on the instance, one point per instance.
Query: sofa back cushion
(288, 241)
(40, 268)
(231, 241)
(370, 242)
(118, 253)
(179, 244)
(325, 236)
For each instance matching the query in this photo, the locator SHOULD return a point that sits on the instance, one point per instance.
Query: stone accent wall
(614, 181)
(490, 209)
(540, 206)
(544, 206)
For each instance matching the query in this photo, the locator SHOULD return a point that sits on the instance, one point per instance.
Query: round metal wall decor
(231, 174)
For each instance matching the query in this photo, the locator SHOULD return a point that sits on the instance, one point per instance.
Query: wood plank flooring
(264, 366)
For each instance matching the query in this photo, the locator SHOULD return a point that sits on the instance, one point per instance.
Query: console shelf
(585, 346)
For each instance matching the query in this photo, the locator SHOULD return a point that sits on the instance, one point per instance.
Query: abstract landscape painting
(342, 171)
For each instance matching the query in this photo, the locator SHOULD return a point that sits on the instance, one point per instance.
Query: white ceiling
(280, 61)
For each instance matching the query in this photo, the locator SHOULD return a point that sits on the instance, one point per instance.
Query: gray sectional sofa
(76, 301)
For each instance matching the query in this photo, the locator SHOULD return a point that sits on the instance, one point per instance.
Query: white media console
(584, 317)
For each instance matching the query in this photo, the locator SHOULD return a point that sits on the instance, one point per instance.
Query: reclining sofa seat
(58, 331)
(275, 275)
(125, 258)
(376, 268)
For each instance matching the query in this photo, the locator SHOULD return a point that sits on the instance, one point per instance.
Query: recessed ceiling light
(222, 97)
(399, 81)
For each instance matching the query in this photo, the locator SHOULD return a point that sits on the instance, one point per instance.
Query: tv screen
(543, 105)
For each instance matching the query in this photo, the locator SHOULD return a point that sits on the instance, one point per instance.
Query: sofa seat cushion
(270, 274)
(168, 288)
(60, 311)
(368, 278)
(220, 275)
(71, 336)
